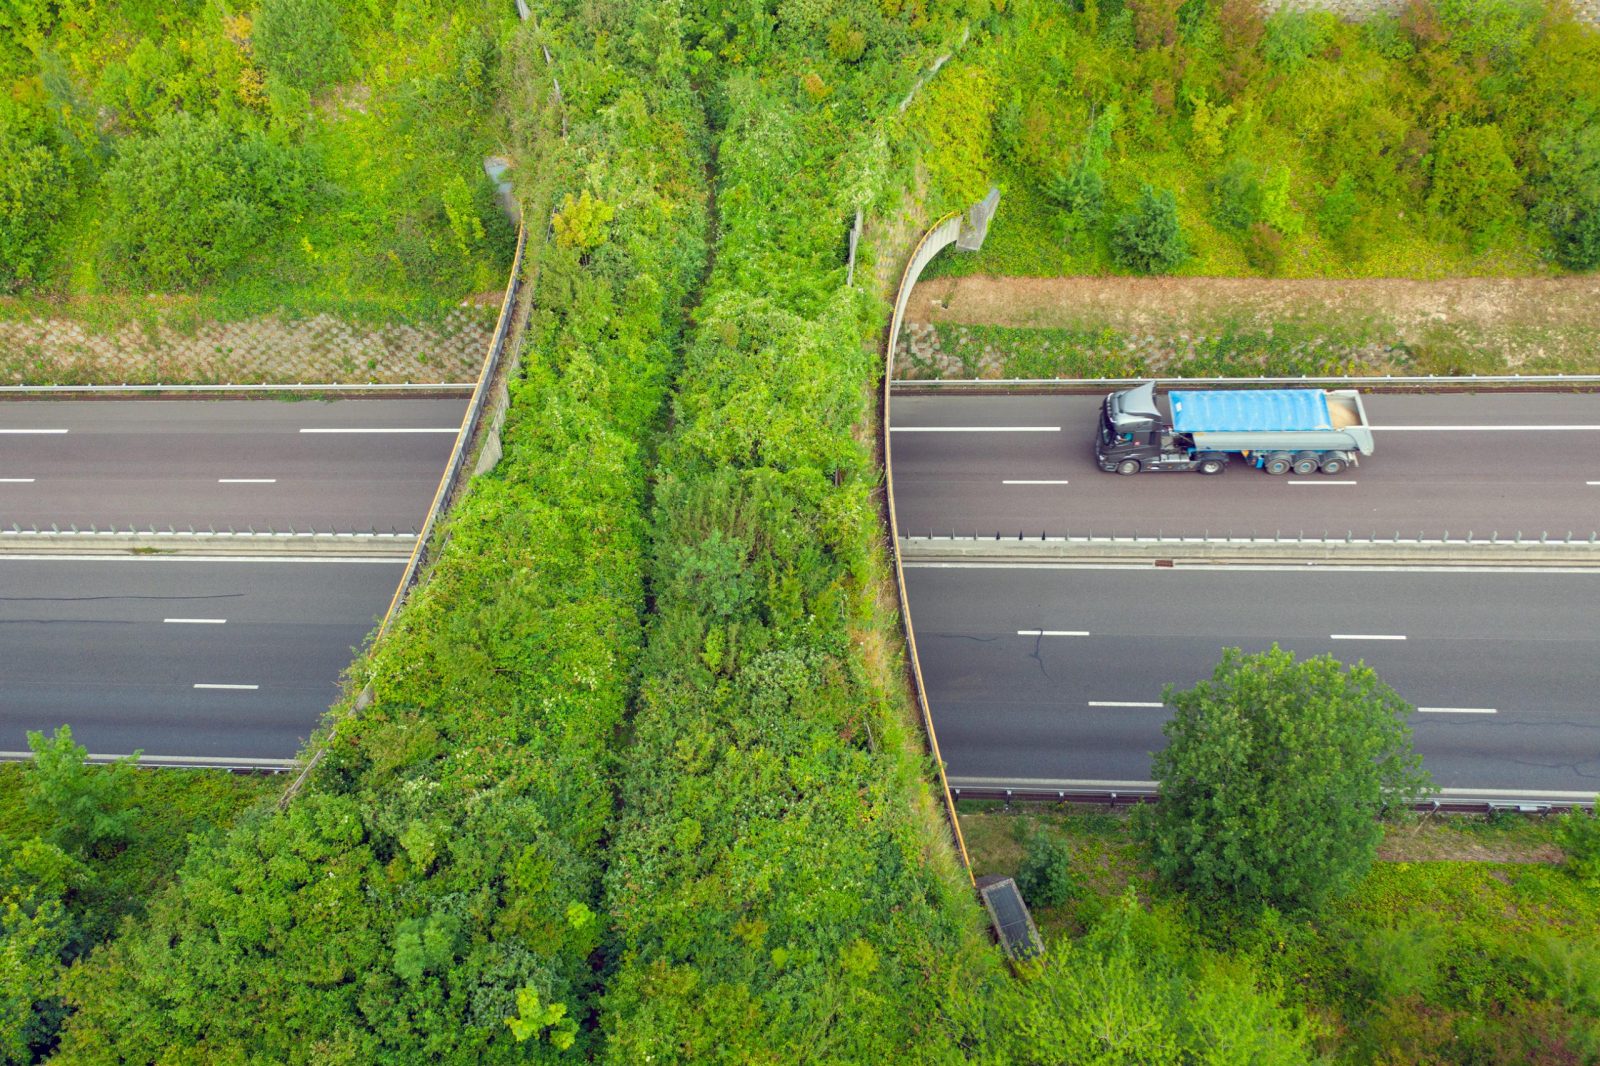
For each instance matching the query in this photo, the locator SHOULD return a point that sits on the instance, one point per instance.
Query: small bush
(1149, 239)
(1263, 248)
(1046, 876)
(1295, 36)
(1577, 238)
(1579, 835)
(1236, 196)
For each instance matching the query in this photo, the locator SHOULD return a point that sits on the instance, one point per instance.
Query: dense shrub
(1580, 839)
(1474, 181)
(302, 43)
(193, 198)
(33, 187)
(434, 895)
(1149, 239)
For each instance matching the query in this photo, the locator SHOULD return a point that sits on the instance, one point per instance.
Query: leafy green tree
(1045, 876)
(36, 932)
(301, 42)
(193, 197)
(86, 805)
(1273, 778)
(1149, 239)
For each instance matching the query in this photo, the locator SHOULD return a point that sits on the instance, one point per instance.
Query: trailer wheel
(1128, 466)
(1278, 463)
(1333, 465)
(1211, 466)
(1305, 463)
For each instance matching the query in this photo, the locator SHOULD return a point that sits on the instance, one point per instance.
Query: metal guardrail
(444, 494)
(1450, 801)
(1452, 382)
(1373, 539)
(298, 386)
(190, 531)
(940, 236)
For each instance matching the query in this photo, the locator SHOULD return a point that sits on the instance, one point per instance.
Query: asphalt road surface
(1051, 674)
(1441, 464)
(214, 658)
(341, 465)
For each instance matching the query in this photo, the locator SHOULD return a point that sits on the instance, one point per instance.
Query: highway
(214, 658)
(342, 465)
(1453, 464)
(1054, 674)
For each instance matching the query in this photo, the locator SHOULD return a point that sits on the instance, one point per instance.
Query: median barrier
(192, 543)
(1373, 383)
(1348, 550)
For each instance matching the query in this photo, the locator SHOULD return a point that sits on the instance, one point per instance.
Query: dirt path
(1134, 303)
(1518, 320)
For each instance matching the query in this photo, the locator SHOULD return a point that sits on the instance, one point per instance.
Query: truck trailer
(1276, 430)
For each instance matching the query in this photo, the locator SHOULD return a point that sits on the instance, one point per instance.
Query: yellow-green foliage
(342, 156)
(1457, 137)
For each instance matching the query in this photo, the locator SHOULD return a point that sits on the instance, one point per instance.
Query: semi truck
(1277, 430)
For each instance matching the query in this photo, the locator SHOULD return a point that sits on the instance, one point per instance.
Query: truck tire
(1212, 466)
(1278, 463)
(1128, 466)
(1305, 463)
(1333, 464)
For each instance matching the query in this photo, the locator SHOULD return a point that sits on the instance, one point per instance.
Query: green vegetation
(434, 895)
(1444, 962)
(1273, 778)
(266, 153)
(1454, 137)
(82, 848)
(638, 779)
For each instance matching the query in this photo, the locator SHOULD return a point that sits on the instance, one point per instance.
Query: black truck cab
(1134, 431)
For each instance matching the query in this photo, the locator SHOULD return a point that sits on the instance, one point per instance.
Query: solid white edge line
(196, 621)
(19, 432)
(247, 481)
(366, 430)
(176, 760)
(1457, 710)
(1309, 481)
(1052, 632)
(1033, 482)
(1592, 482)
(1122, 703)
(240, 688)
(972, 429)
(1477, 429)
(29, 480)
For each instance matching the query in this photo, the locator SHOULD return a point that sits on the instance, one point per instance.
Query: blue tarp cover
(1250, 411)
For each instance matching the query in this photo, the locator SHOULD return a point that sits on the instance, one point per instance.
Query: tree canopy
(1273, 778)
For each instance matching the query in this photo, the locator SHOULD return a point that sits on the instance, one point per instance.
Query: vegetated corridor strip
(96, 644)
(341, 466)
(1523, 645)
(1428, 475)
